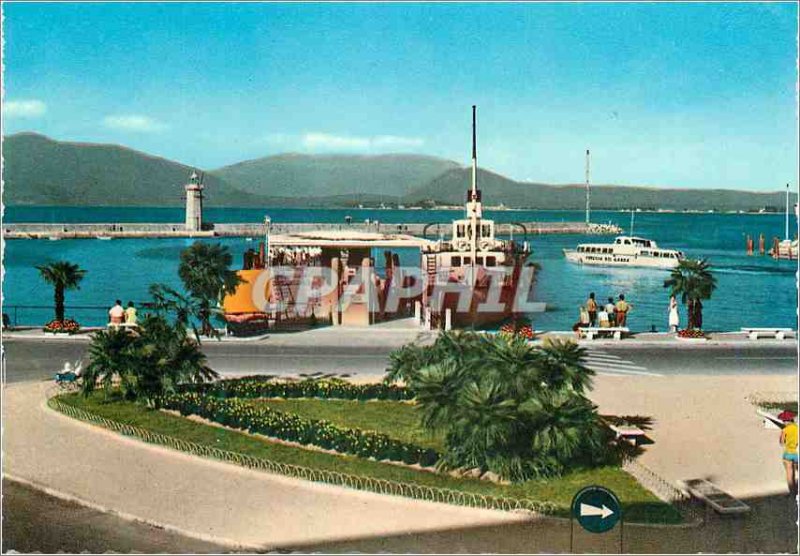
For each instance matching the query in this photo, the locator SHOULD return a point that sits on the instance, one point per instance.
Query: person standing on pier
(591, 306)
(621, 311)
(610, 309)
(674, 318)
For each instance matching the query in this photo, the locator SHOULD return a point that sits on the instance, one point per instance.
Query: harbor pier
(254, 229)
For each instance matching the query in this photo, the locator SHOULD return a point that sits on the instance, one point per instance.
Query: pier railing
(39, 315)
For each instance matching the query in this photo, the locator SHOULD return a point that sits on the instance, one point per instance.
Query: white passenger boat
(625, 251)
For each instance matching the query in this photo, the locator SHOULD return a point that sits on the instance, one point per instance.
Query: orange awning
(241, 301)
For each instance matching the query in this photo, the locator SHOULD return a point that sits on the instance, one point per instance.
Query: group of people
(119, 315)
(593, 314)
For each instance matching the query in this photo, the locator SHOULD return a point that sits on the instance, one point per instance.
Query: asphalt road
(37, 522)
(39, 359)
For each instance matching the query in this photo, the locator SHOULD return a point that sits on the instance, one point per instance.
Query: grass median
(396, 419)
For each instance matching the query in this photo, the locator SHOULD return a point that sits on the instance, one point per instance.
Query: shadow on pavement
(771, 526)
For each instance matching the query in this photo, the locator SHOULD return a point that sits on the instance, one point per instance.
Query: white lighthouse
(194, 203)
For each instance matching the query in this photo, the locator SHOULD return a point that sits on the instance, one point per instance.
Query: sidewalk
(401, 332)
(201, 498)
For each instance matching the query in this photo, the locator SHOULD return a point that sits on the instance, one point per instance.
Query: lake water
(752, 290)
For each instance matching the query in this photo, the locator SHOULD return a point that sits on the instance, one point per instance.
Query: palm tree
(692, 279)
(205, 272)
(505, 406)
(148, 364)
(109, 358)
(63, 275)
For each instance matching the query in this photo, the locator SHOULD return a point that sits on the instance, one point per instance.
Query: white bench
(616, 331)
(777, 333)
(629, 433)
(713, 497)
(124, 325)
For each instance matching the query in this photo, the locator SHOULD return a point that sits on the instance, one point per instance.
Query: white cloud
(394, 141)
(24, 108)
(326, 141)
(133, 122)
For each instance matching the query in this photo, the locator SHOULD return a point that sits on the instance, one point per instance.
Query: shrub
(506, 406)
(268, 387)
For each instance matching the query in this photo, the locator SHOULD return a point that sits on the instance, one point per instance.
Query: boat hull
(616, 260)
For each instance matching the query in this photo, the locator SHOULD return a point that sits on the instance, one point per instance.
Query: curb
(132, 518)
(365, 484)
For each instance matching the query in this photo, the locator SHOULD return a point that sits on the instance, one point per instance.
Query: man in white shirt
(610, 310)
(116, 314)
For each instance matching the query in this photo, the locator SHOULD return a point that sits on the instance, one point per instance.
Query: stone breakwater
(161, 230)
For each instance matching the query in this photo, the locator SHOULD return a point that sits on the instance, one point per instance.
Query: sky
(679, 95)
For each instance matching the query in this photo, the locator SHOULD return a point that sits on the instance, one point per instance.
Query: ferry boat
(625, 251)
(473, 254)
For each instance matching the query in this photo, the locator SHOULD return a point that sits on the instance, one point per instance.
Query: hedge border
(356, 482)
(345, 440)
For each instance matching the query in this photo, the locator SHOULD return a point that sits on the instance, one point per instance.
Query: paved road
(38, 359)
(37, 522)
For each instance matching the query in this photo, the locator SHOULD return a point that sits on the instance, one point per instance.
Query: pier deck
(164, 230)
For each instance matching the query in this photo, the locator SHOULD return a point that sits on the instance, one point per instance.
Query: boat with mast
(630, 250)
(473, 255)
(788, 248)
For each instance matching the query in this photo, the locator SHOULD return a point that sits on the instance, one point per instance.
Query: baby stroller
(67, 378)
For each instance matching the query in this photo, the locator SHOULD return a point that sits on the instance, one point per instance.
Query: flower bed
(691, 334)
(267, 387)
(258, 419)
(520, 328)
(66, 326)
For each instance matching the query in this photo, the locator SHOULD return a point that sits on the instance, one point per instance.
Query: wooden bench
(719, 500)
(777, 333)
(629, 433)
(616, 331)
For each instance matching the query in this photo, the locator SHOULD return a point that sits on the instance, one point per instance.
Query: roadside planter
(692, 336)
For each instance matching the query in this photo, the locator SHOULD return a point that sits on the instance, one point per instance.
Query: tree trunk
(690, 314)
(59, 299)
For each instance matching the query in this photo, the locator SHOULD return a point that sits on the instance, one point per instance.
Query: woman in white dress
(674, 318)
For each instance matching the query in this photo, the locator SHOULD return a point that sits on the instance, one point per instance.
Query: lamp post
(268, 224)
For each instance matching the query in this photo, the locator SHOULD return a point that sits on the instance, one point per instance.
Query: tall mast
(588, 194)
(786, 235)
(474, 157)
(475, 203)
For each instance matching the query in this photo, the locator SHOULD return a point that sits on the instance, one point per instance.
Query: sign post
(597, 510)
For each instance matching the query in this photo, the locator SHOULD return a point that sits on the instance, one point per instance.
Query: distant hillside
(40, 171)
(450, 188)
(300, 175)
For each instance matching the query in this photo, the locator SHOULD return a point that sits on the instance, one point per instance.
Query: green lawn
(398, 420)
(639, 504)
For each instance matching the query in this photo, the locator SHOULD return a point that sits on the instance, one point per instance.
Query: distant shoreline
(403, 209)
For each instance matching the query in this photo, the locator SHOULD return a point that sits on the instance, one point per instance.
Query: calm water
(752, 291)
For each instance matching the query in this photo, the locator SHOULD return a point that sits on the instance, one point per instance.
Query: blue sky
(682, 95)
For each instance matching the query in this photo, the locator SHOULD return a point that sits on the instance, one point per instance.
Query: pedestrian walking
(674, 317)
(788, 440)
(591, 307)
(621, 311)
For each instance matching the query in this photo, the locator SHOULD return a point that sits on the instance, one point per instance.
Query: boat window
(646, 253)
(460, 230)
(627, 242)
(455, 261)
(467, 260)
(491, 261)
(479, 260)
(486, 230)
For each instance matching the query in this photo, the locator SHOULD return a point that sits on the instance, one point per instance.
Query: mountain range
(38, 170)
